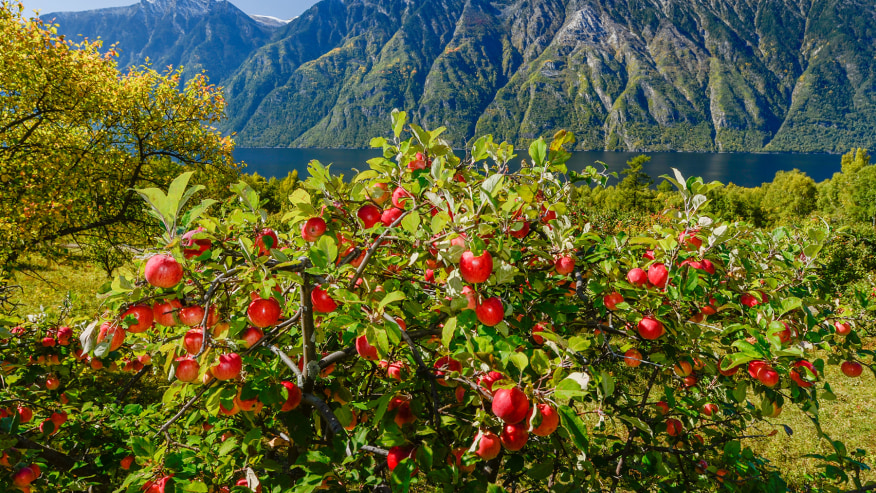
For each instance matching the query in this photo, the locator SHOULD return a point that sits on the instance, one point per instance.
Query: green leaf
(575, 385)
(399, 118)
(575, 427)
(411, 222)
(538, 151)
(606, 381)
(142, 447)
(638, 423)
(390, 298)
(540, 362)
(790, 304)
(448, 331)
(520, 361)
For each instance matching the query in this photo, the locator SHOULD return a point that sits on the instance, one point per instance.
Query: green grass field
(851, 418)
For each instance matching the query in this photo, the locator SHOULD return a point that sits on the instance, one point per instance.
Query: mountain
(201, 35)
(693, 75)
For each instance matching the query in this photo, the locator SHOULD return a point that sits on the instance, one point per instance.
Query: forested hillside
(788, 75)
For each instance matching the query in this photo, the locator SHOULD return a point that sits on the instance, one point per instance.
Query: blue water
(744, 169)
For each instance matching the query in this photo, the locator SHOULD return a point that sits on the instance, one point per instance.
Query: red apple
(842, 329)
(294, 396)
(398, 454)
(25, 414)
(539, 327)
(612, 299)
(800, 370)
(689, 240)
(443, 365)
(126, 462)
(419, 162)
(475, 269)
(490, 312)
(564, 265)
(514, 436)
(187, 369)
(650, 328)
(250, 336)
(394, 370)
(266, 239)
(23, 477)
(521, 232)
(191, 315)
(52, 382)
(404, 415)
(662, 407)
(768, 376)
(674, 427)
(115, 333)
(193, 340)
(457, 454)
(194, 247)
(851, 369)
(390, 215)
(144, 316)
(163, 271)
(322, 302)
(751, 301)
(400, 197)
(488, 445)
(369, 214)
(65, 333)
(164, 312)
(366, 350)
(550, 420)
(229, 366)
(510, 405)
(683, 368)
(157, 486)
(637, 276)
(263, 312)
(708, 266)
(633, 358)
(471, 296)
(313, 228)
(658, 275)
(710, 409)
(379, 192)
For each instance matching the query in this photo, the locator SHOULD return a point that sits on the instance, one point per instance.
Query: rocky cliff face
(716, 75)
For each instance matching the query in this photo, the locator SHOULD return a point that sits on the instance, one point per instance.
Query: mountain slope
(715, 75)
(201, 35)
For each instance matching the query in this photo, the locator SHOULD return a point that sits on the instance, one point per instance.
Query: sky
(284, 9)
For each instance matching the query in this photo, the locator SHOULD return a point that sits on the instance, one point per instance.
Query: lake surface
(744, 169)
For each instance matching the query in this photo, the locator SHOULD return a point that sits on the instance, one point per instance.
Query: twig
(127, 388)
(291, 364)
(422, 369)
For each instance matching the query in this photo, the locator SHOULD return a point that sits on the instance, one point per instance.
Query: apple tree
(444, 324)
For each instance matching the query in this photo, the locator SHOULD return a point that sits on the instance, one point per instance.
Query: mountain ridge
(636, 75)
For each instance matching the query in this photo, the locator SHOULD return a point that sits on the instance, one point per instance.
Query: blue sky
(283, 9)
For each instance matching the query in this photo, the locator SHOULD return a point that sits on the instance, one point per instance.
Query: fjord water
(744, 169)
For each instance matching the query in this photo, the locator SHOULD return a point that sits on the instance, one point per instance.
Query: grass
(851, 419)
(45, 285)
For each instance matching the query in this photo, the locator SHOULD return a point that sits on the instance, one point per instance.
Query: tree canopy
(76, 136)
